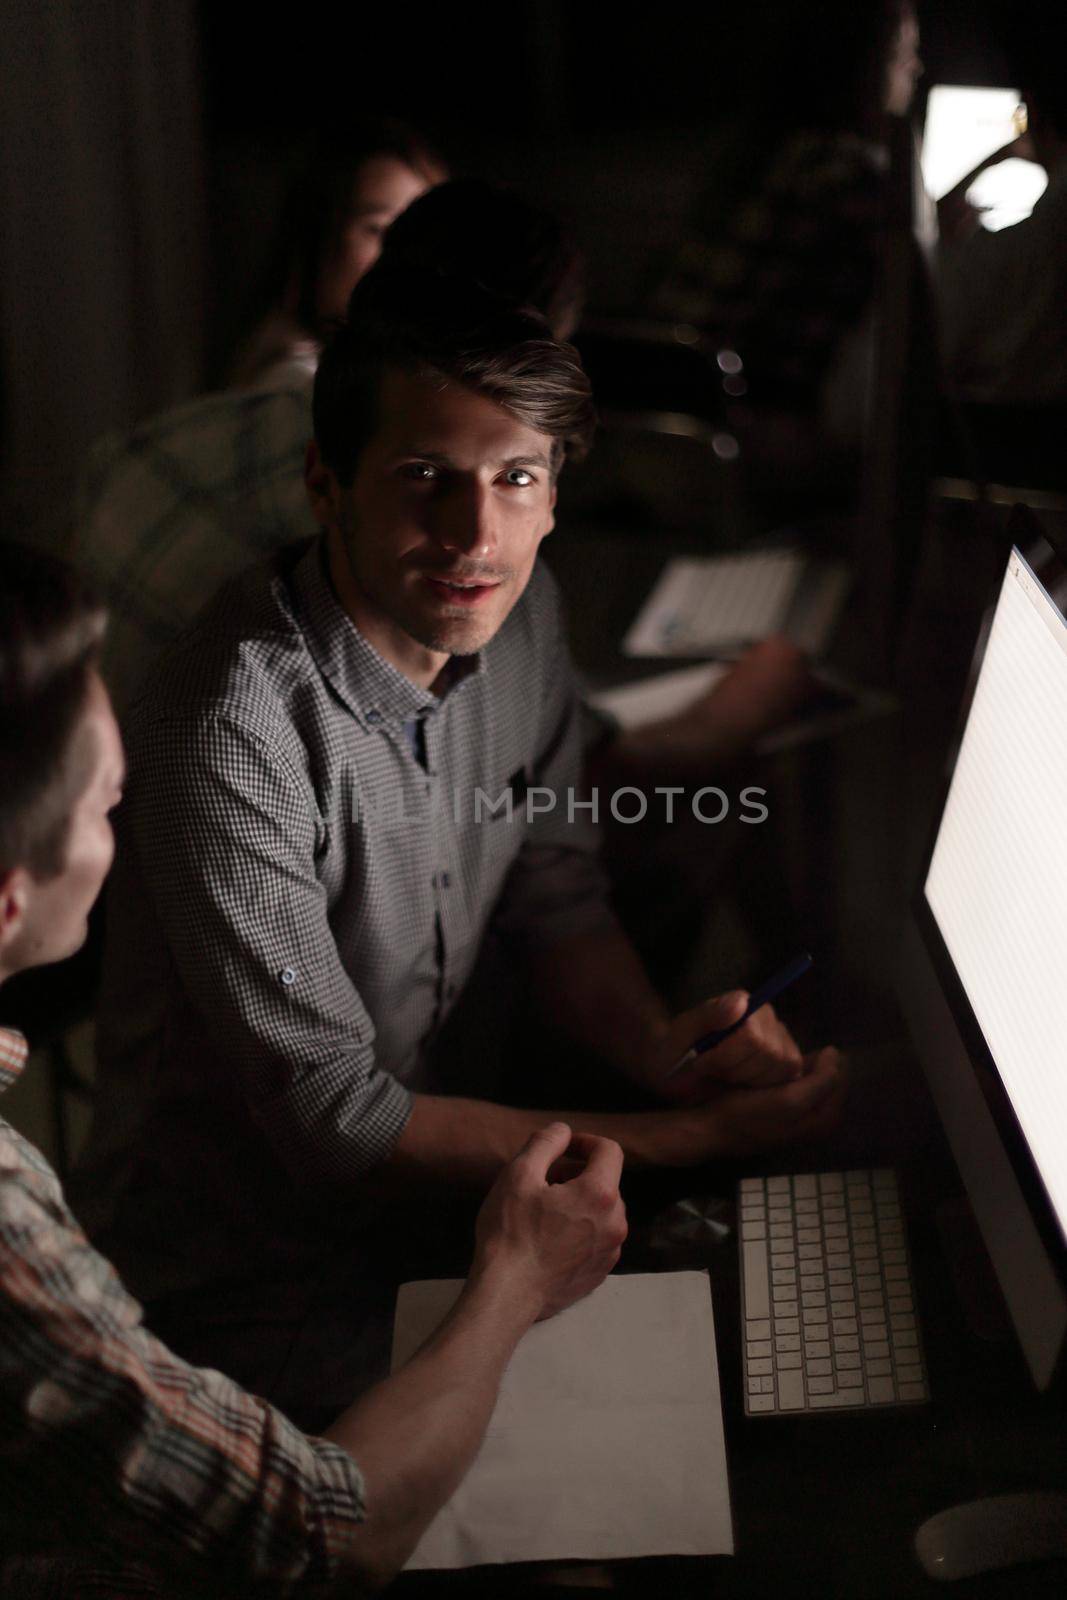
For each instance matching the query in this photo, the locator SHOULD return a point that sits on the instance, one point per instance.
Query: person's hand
(957, 218)
(554, 1219)
(761, 1053)
(743, 1122)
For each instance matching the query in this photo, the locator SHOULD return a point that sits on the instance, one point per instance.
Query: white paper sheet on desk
(607, 1437)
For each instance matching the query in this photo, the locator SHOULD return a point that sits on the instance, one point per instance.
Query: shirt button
(374, 717)
(287, 975)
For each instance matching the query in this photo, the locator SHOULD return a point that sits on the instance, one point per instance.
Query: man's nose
(466, 521)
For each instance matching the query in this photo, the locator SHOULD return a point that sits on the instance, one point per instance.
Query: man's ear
(551, 512)
(14, 898)
(324, 492)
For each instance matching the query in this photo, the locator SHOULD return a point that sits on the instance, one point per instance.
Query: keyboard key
(878, 1369)
(755, 1328)
(786, 1308)
(835, 1213)
(779, 1184)
(895, 1271)
(830, 1181)
(785, 1278)
(751, 1185)
(805, 1183)
(786, 1325)
(758, 1348)
(848, 1361)
(875, 1349)
(891, 1257)
(809, 1252)
(844, 1325)
(779, 1214)
(814, 1316)
(806, 1206)
(789, 1361)
(821, 1386)
(759, 1369)
(872, 1317)
(865, 1252)
(899, 1302)
(906, 1339)
(880, 1390)
(833, 1231)
(813, 1297)
(913, 1391)
(781, 1230)
(753, 1230)
(909, 1374)
(754, 1267)
(868, 1280)
(790, 1390)
(862, 1235)
(815, 1349)
(849, 1380)
(842, 1292)
(818, 1368)
(823, 1402)
(761, 1402)
(901, 1322)
(783, 1258)
(786, 1341)
(837, 1276)
(870, 1299)
(806, 1235)
(847, 1341)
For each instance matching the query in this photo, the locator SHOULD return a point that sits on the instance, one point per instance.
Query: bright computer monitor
(964, 126)
(984, 969)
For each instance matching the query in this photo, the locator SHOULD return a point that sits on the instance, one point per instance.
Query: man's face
(44, 920)
(384, 187)
(442, 523)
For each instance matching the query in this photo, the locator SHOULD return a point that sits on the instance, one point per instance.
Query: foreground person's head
(61, 766)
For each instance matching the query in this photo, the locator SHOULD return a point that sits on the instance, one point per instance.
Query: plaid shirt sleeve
(113, 1450)
(225, 836)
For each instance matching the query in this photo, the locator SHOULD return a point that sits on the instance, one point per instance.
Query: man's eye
(518, 478)
(419, 472)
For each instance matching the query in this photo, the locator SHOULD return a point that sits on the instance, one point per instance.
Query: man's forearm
(415, 1434)
(468, 1141)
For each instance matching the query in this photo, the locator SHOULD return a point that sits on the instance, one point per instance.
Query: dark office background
(143, 150)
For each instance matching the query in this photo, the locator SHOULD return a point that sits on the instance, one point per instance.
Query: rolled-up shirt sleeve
(223, 833)
(114, 1450)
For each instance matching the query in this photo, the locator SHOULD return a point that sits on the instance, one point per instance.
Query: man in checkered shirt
(124, 1471)
(365, 755)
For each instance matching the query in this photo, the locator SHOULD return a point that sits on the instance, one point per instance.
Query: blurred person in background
(787, 278)
(355, 181)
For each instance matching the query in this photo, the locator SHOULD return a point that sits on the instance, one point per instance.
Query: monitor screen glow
(997, 880)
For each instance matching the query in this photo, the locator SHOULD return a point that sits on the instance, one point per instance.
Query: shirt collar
(13, 1053)
(375, 692)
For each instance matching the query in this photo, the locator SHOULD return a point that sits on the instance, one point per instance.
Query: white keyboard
(827, 1299)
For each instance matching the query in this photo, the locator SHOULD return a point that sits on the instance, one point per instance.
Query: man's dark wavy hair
(50, 631)
(449, 330)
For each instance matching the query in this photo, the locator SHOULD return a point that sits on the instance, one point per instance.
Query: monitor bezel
(1023, 533)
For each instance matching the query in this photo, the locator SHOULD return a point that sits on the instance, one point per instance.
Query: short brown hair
(445, 328)
(50, 630)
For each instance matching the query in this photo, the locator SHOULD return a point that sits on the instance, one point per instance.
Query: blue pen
(759, 997)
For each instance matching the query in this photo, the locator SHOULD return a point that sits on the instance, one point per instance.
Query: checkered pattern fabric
(296, 905)
(188, 499)
(118, 1458)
